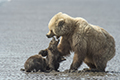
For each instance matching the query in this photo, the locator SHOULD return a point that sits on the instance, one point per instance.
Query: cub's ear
(61, 22)
(43, 52)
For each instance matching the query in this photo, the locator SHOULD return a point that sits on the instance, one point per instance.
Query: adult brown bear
(91, 44)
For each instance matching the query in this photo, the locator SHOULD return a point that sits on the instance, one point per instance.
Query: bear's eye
(51, 31)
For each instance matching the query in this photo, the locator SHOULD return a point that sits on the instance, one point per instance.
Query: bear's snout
(48, 36)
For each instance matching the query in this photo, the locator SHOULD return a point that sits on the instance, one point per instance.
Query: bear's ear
(43, 52)
(61, 22)
(60, 13)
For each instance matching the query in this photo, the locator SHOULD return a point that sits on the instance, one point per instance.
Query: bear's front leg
(77, 61)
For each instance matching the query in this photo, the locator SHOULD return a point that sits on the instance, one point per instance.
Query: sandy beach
(23, 28)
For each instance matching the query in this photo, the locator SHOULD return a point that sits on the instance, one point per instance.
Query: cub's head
(53, 44)
(59, 25)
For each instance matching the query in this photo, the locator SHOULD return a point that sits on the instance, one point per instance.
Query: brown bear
(35, 63)
(91, 44)
(53, 55)
(51, 62)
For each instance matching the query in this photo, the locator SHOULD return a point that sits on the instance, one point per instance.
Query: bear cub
(53, 56)
(35, 63)
(51, 62)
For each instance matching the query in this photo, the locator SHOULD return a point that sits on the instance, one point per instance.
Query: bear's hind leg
(100, 63)
(92, 67)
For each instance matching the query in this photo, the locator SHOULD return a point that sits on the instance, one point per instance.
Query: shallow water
(23, 26)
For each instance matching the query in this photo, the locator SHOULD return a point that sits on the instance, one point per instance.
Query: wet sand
(23, 26)
(73, 76)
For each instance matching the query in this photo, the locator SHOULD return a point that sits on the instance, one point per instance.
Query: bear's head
(53, 44)
(60, 25)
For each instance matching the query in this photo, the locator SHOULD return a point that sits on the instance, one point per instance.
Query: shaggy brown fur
(53, 55)
(91, 44)
(35, 63)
